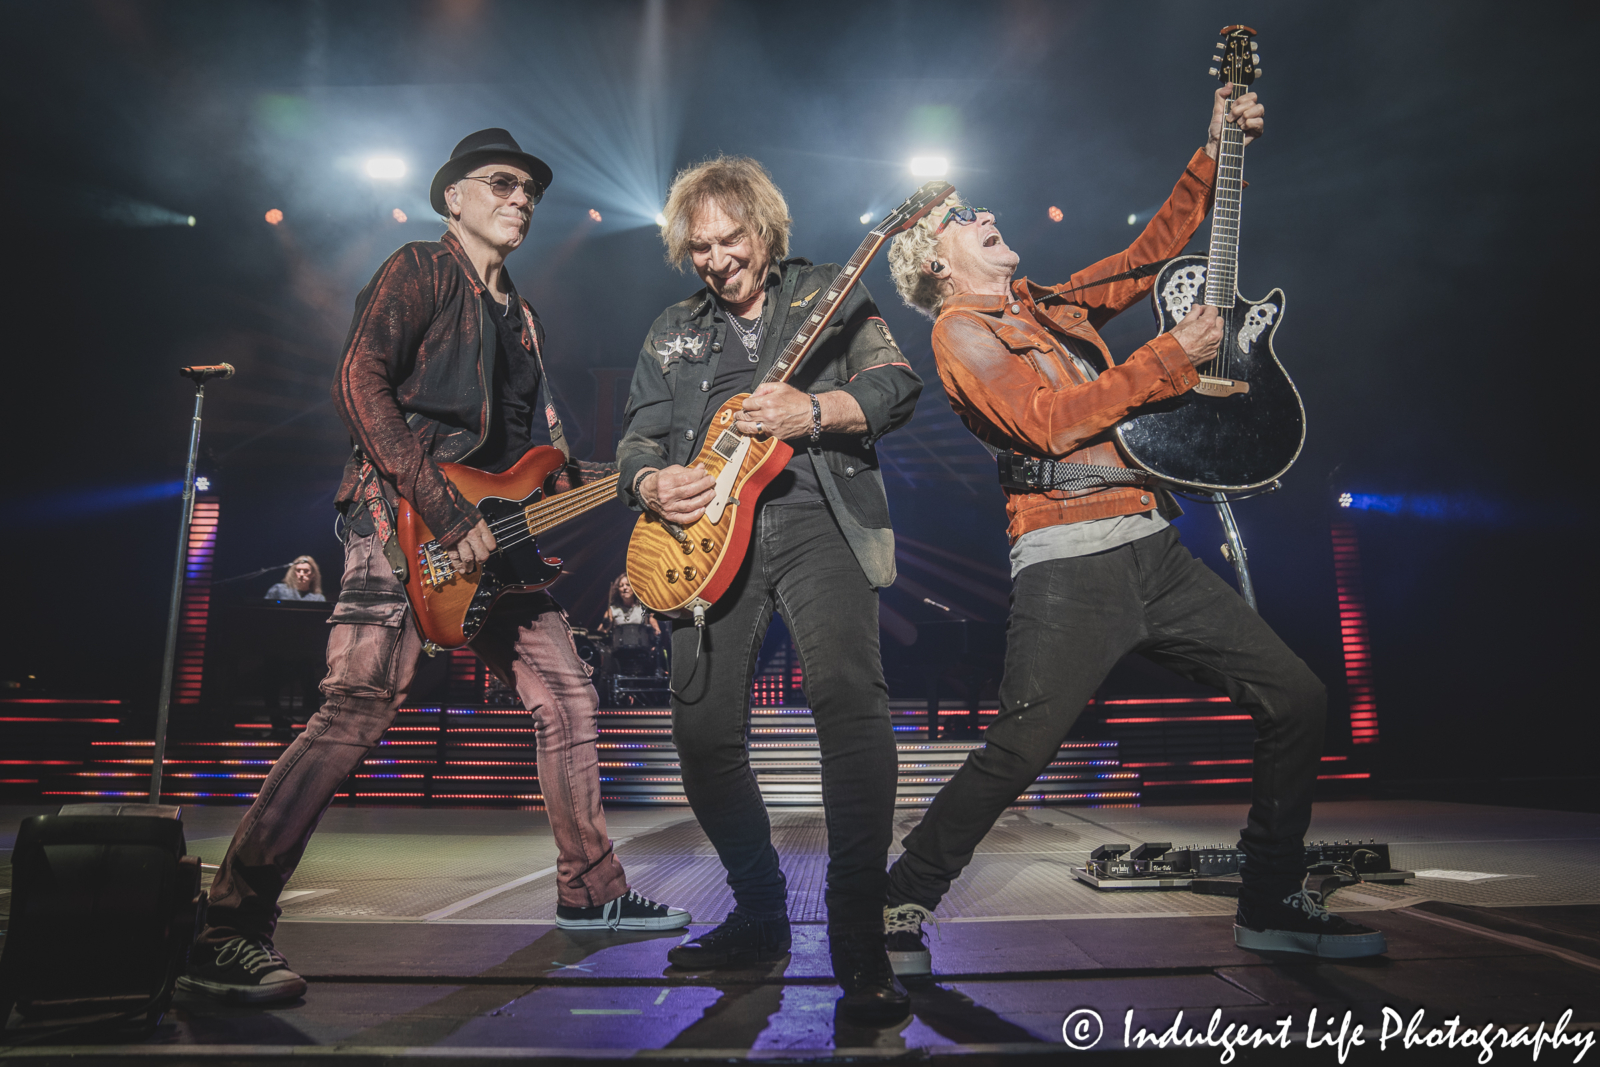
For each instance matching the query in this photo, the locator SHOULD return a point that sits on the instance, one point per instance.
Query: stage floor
(432, 929)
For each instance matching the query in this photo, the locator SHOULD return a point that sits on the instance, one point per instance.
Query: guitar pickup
(726, 445)
(1210, 386)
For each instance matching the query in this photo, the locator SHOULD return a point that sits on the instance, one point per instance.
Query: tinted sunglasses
(963, 215)
(502, 185)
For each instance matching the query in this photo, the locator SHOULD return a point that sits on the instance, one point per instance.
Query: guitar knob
(706, 546)
(689, 574)
(672, 576)
(687, 546)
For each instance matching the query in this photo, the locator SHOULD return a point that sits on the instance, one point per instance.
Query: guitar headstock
(1236, 52)
(916, 206)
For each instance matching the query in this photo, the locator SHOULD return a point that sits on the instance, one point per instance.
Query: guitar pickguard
(1258, 318)
(1182, 287)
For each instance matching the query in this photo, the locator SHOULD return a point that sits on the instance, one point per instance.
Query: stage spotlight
(399, 216)
(202, 484)
(386, 168)
(273, 217)
(661, 220)
(929, 166)
(593, 214)
(1345, 500)
(1055, 214)
(866, 217)
(191, 220)
(1132, 219)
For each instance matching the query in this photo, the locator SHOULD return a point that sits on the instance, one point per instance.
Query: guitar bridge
(434, 565)
(1210, 386)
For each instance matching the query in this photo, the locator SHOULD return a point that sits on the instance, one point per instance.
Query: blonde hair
(742, 188)
(316, 574)
(907, 254)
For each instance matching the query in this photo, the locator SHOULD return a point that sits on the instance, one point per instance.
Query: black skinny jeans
(1071, 621)
(799, 564)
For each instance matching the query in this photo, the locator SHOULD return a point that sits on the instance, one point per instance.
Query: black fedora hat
(479, 148)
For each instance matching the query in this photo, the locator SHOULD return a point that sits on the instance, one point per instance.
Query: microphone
(204, 374)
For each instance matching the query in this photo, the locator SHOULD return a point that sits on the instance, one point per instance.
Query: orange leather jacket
(1014, 384)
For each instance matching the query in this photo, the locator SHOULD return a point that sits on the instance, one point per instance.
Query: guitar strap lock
(1031, 474)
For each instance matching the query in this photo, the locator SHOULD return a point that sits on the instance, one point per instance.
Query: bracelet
(640, 477)
(816, 418)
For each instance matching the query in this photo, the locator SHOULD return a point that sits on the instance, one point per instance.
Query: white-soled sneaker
(242, 970)
(903, 936)
(1299, 923)
(630, 911)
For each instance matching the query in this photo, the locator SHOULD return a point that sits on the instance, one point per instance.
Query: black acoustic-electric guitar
(1243, 426)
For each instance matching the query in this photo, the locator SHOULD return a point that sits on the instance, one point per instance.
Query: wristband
(816, 418)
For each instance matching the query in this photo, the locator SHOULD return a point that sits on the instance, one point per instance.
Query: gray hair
(907, 254)
(743, 189)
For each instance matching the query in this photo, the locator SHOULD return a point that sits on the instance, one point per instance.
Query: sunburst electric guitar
(1243, 426)
(450, 605)
(676, 569)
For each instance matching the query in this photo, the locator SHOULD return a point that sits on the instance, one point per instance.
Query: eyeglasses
(502, 185)
(963, 215)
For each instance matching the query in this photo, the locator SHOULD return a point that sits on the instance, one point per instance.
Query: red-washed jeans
(372, 656)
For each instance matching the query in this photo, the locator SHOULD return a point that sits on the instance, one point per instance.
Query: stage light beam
(661, 220)
(386, 168)
(929, 166)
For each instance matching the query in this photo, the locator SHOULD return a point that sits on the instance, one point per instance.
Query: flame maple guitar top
(670, 567)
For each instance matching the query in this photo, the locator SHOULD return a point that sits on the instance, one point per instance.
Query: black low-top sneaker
(1299, 923)
(903, 937)
(738, 942)
(872, 994)
(630, 911)
(242, 970)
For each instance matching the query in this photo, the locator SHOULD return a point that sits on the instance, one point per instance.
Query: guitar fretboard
(1223, 269)
(801, 342)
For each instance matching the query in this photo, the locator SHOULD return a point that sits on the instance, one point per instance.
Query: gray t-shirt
(285, 591)
(1083, 538)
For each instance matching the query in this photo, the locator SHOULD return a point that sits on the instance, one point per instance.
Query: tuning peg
(1218, 45)
(1253, 46)
(1214, 73)
(1216, 59)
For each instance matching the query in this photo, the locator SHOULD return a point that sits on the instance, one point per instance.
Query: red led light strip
(196, 604)
(1353, 634)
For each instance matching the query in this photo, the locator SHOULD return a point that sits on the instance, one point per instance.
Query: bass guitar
(451, 606)
(676, 569)
(1243, 426)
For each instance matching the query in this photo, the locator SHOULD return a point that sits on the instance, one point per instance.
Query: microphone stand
(258, 572)
(164, 701)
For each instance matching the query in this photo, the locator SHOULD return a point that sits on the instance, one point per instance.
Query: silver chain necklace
(751, 339)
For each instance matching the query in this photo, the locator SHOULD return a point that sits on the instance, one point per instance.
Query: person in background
(624, 609)
(302, 581)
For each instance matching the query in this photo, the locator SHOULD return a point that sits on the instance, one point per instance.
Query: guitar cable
(699, 644)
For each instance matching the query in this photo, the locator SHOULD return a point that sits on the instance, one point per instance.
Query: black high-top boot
(872, 994)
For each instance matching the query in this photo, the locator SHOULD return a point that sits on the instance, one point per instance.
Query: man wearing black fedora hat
(443, 365)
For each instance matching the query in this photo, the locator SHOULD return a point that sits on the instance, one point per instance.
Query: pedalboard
(1157, 865)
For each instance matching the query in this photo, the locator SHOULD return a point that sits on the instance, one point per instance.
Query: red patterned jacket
(413, 384)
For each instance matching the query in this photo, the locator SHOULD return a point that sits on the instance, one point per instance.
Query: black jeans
(1071, 621)
(799, 564)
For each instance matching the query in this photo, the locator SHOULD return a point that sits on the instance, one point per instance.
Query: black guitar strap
(1138, 272)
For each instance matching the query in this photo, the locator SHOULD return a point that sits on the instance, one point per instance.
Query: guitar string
(561, 502)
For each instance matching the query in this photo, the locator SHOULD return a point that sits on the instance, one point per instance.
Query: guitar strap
(558, 436)
(1031, 474)
(1138, 272)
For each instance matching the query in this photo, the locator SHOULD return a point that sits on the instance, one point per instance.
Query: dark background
(1425, 196)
